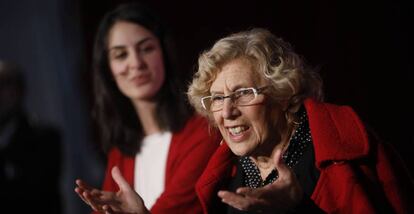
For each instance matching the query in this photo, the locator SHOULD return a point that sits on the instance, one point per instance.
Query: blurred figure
(146, 125)
(29, 152)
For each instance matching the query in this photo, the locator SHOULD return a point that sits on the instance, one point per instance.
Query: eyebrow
(138, 43)
(235, 88)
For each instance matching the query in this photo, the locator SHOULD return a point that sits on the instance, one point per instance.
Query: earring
(291, 119)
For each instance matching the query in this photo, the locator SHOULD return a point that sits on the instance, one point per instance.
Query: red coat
(188, 155)
(357, 174)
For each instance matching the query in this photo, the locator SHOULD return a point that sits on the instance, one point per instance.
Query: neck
(265, 160)
(146, 114)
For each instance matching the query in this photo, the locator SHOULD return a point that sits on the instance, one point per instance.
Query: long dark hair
(116, 119)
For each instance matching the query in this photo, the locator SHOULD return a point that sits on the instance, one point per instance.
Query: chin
(240, 150)
(143, 96)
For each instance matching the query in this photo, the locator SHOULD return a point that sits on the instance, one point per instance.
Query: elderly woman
(283, 150)
(293, 151)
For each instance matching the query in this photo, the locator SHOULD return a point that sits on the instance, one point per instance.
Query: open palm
(283, 194)
(125, 201)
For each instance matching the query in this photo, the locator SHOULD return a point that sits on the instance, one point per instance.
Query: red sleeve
(126, 166)
(395, 179)
(188, 156)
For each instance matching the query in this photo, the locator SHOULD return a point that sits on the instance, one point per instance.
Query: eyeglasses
(241, 97)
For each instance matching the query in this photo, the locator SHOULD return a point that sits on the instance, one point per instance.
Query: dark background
(363, 50)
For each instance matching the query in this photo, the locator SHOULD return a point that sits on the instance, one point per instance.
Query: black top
(300, 157)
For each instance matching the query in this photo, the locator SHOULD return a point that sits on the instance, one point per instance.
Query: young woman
(146, 125)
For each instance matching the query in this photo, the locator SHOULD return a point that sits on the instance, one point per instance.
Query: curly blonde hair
(273, 58)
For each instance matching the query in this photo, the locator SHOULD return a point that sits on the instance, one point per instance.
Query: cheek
(116, 68)
(160, 76)
(217, 121)
(158, 69)
(260, 133)
(156, 61)
(260, 121)
(216, 118)
(121, 84)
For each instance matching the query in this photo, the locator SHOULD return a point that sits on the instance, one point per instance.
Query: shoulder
(114, 153)
(197, 131)
(313, 106)
(36, 128)
(196, 125)
(196, 121)
(333, 128)
(342, 116)
(40, 133)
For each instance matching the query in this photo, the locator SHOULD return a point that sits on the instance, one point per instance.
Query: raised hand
(126, 200)
(283, 194)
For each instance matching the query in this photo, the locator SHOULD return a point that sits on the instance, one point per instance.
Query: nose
(229, 110)
(136, 61)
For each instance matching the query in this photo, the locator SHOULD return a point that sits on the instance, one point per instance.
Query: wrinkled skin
(283, 194)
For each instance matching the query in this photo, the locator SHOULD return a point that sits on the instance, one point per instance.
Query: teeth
(237, 130)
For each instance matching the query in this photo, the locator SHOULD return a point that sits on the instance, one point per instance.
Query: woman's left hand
(283, 194)
(125, 201)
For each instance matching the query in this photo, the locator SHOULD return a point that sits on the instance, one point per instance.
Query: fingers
(82, 188)
(91, 201)
(244, 190)
(286, 184)
(91, 198)
(235, 200)
(107, 209)
(82, 184)
(282, 169)
(96, 198)
(251, 192)
(119, 179)
(241, 201)
(80, 191)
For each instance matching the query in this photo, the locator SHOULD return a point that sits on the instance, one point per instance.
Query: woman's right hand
(283, 194)
(126, 200)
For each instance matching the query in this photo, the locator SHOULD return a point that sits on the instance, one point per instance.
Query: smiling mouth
(237, 130)
(140, 80)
